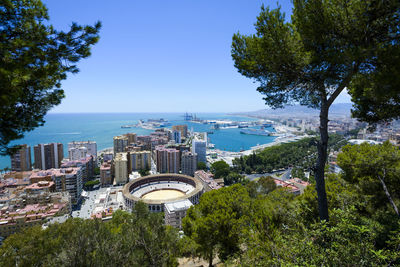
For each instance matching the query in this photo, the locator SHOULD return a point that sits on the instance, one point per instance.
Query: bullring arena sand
(163, 194)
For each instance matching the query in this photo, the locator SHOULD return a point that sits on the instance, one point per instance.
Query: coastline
(228, 156)
(277, 141)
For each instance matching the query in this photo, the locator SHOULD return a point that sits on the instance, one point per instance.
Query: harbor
(150, 124)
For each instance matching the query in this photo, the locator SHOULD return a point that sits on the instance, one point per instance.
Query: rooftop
(55, 172)
(178, 205)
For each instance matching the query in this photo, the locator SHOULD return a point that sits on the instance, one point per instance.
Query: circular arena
(156, 190)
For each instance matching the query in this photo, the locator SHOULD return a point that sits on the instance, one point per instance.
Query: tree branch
(381, 179)
(343, 84)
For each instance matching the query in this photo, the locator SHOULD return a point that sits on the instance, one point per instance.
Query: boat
(267, 125)
(261, 132)
(243, 126)
(164, 124)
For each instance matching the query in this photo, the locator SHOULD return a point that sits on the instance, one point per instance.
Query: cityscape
(199, 133)
(55, 186)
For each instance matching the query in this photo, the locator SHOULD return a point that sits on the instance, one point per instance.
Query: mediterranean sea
(64, 128)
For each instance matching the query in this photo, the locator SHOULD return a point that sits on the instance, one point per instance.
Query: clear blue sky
(161, 56)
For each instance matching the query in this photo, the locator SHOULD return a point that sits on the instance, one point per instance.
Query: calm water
(64, 128)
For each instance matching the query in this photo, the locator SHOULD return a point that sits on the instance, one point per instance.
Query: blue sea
(64, 128)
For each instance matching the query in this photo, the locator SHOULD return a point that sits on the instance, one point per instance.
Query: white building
(121, 168)
(175, 212)
(77, 153)
(77, 149)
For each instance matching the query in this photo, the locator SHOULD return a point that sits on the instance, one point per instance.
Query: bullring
(159, 189)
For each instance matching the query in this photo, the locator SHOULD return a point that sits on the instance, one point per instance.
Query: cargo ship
(256, 132)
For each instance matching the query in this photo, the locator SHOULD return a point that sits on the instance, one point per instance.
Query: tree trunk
(210, 260)
(321, 161)
(388, 195)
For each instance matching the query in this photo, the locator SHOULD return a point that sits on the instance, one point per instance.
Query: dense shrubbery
(130, 239)
(221, 169)
(252, 225)
(274, 228)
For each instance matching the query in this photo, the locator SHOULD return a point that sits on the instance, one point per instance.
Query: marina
(151, 124)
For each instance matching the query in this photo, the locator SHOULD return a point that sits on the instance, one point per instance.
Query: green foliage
(262, 186)
(34, 59)
(374, 169)
(97, 171)
(340, 195)
(144, 172)
(234, 178)
(218, 221)
(375, 92)
(201, 166)
(220, 169)
(346, 241)
(301, 154)
(92, 183)
(298, 173)
(325, 47)
(129, 239)
(283, 232)
(279, 229)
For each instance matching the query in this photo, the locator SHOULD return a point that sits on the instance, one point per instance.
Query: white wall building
(77, 147)
(121, 168)
(77, 153)
(175, 212)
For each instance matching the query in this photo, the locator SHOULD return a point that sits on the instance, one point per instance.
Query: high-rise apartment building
(199, 147)
(48, 156)
(139, 160)
(21, 159)
(105, 173)
(177, 137)
(189, 163)
(120, 143)
(86, 164)
(167, 159)
(69, 180)
(132, 138)
(77, 153)
(76, 150)
(144, 141)
(181, 128)
(121, 168)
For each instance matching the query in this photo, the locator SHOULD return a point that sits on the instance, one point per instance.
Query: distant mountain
(336, 110)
